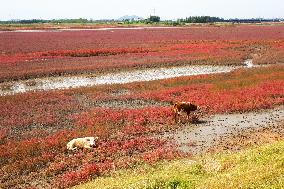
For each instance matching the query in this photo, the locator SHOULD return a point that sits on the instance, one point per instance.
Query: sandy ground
(209, 133)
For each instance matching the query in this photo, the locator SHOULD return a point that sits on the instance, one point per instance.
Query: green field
(258, 167)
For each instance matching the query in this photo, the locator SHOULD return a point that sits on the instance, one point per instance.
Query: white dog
(86, 142)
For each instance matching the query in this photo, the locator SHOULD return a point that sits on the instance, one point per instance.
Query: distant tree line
(209, 19)
(201, 19)
(35, 21)
(154, 19)
(151, 19)
(253, 20)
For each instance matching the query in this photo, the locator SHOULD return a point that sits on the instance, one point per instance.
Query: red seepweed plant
(35, 127)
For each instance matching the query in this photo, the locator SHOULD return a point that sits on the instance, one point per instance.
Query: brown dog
(186, 107)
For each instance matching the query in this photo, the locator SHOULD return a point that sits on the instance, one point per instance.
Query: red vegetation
(250, 98)
(25, 55)
(35, 127)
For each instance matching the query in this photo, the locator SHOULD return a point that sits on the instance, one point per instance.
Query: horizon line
(117, 19)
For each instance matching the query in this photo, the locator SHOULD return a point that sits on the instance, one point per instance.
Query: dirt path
(198, 138)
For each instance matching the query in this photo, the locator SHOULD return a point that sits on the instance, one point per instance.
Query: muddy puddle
(65, 82)
(198, 138)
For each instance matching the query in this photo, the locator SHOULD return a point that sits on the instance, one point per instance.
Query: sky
(113, 9)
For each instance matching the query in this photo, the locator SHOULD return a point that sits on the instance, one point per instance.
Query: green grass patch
(259, 167)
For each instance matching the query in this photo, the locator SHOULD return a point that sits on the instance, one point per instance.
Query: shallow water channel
(65, 82)
(85, 29)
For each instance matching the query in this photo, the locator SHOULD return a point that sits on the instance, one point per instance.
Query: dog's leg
(188, 114)
(178, 117)
(175, 113)
(175, 117)
(72, 149)
(87, 147)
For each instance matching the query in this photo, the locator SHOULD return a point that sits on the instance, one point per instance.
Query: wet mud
(199, 137)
